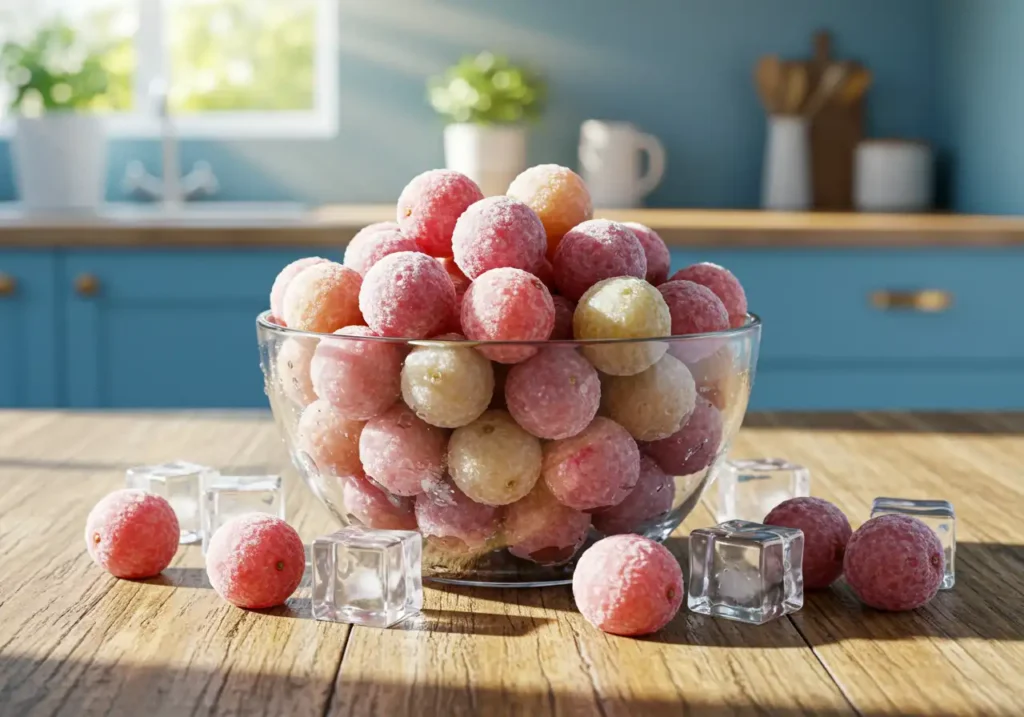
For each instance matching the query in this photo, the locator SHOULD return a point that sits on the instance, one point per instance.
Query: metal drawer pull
(8, 285)
(87, 285)
(929, 301)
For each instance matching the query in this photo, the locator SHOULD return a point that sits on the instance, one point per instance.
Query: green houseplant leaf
(487, 89)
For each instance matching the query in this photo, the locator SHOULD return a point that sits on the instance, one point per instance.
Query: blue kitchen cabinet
(28, 329)
(827, 345)
(166, 328)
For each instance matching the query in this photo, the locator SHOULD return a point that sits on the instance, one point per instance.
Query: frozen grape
(431, 204)
(555, 394)
(894, 562)
(132, 534)
(622, 308)
(402, 452)
(448, 515)
(374, 508)
(368, 247)
(541, 529)
(329, 439)
(694, 446)
(628, 585)
(322, 298)
(659, 259)
(654, 403)
(407, 295)
(284, 279)
(826, 533)
(447, 386)
(725, 285)
(559, 197)
(596, 250)
(255, 561)
(594, 469)
(493, 460)
(718, 378)
(498, 232)
(360, 378)
(508, 305)
(651, 497)
(564, 309)
(695, 309)
(293, 369)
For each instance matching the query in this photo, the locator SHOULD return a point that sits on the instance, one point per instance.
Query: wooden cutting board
(835, 133)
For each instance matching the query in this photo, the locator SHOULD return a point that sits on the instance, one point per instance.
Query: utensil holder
(787, 165)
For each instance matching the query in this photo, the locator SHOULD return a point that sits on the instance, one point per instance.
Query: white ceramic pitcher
(610, 160)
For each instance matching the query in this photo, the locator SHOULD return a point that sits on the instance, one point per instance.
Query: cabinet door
(28, 330)
(167, 328)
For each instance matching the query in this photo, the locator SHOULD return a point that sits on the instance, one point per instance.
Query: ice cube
(746, 571)
(227, 497)
(749, 489)
(181, 484)
(937, 515)
(367, 577)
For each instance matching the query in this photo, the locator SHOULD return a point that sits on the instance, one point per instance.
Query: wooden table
(74, 641)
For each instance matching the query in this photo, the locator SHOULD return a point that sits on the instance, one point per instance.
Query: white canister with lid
(894, 175)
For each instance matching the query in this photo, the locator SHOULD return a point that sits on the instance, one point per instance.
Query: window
(231, 68)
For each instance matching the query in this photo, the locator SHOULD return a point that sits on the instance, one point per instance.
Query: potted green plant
(59, 146)
(488, 102)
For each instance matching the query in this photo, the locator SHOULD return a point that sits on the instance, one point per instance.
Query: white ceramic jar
(894, 175)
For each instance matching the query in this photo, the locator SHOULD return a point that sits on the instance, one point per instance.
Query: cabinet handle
(8, 285)
(87, 285)
(927, 301)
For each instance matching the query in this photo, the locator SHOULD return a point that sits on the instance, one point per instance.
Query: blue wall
(982, 103)
(681, 69)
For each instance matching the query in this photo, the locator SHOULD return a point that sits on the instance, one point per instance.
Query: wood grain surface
(74, 641)
(333, 226)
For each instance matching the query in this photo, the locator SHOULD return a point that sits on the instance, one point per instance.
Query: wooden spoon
(831, 82)
(855, 87)
(796, 88)
(768, 77)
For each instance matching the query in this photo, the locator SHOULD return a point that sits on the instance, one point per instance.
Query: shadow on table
(36, 687)
(892, 422)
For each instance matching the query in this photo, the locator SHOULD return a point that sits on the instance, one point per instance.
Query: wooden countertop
(333, 226)
(74, 641)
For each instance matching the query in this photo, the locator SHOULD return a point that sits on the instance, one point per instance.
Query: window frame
(152, 61)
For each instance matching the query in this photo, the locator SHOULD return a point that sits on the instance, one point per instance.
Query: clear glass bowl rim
(749, 329)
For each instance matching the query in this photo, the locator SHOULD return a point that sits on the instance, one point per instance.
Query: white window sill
(219, 126)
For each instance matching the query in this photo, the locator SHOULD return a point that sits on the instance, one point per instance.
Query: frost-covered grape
(622, 308)
(594, 469)
(595, 251)
(360, 378)
(402, 452)
(541, 529)
(558, 195)
(651, 497)
(447, 386)
(431, 204)
(694, 446)
(555, 394)
(493, 460)
(407, 295)
(508, 305)
(292, 365)
(374, 508)
(323, 297)
(654, 403)
(498, 232)
(447, 514)
(330, 439)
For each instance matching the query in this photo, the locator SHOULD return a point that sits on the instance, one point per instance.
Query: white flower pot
(60, 162)
(490, 155)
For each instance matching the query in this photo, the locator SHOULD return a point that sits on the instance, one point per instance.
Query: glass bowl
(481, 538)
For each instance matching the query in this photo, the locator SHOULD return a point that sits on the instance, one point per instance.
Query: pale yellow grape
(654, 403)
(447, 386)
(493, 460)
(623, 307)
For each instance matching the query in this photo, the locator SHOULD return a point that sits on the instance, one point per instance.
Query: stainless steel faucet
(173, 189)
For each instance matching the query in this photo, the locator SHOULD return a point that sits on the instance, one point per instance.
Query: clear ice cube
(937, 515)
(367, 577)
(227, 497)
(749, 489)
(181, 483)
(746, 571)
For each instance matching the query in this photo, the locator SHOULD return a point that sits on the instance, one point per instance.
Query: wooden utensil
(797, 83)
(829, 86)
(858, 82)
(768, 78)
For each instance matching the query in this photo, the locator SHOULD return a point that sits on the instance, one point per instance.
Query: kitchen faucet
(173, 189)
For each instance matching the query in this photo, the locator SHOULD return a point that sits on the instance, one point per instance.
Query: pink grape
(255, 561)
(329, 439)
(659, 259)
(725, 285)
(374, 508)
(284, 279)
(694, 446)
(594, 469)
(596, 250)
(894, 562)
(651, 497)
(360, 378)
(826, 532)
(407, 295)
(322, 298)
(539, 528)
(368, 247)
(132, 534)
(554, 394)
(402, 452)
(558, 195)
(508, 305)
(449, 515)
(431, 204)
(498, 232)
